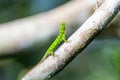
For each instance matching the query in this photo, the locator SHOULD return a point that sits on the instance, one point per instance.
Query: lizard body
(61, 37)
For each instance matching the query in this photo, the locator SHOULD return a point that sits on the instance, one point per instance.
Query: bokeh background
(99, 61)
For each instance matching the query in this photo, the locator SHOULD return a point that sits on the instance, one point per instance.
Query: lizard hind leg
(51, 53)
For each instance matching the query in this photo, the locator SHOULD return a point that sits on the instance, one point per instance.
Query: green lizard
(61, 37)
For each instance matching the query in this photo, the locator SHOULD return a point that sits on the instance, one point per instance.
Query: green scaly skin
(61, 37)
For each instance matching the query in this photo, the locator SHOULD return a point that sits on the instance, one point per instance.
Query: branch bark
(78, 41)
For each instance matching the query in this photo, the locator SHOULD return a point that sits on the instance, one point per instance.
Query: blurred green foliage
(14, 9)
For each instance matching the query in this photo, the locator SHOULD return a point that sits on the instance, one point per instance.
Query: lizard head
(62, 27)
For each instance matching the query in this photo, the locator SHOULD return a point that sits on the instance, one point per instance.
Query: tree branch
(20, 34)
(78, 41)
